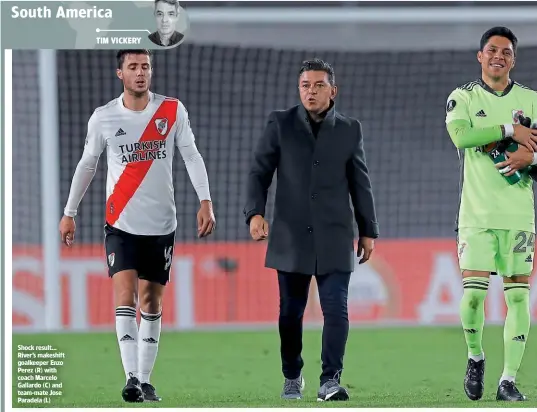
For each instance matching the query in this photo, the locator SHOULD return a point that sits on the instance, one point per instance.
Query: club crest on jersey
(111, 259)
(517, 113)
(162, 126)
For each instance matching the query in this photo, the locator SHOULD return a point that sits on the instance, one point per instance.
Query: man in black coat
(319, 159)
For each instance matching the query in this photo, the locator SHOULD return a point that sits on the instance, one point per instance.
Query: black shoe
(507, 391)
(474, 379)
(292, 388)
(132, 392)
(149, 393)
(332, 391)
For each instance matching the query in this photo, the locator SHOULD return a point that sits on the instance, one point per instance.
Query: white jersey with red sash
(140, 148)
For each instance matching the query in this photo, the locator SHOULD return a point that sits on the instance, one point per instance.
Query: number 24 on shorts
(524, 240)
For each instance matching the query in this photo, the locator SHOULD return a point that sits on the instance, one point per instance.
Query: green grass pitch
(399, 367)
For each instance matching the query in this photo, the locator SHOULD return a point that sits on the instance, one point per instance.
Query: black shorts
(150, 256)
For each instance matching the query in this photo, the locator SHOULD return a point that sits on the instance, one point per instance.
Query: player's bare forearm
(464, 136)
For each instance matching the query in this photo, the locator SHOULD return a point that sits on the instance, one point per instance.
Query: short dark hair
(170, 2)
(498, 31)
(120, 56)
(318, 65)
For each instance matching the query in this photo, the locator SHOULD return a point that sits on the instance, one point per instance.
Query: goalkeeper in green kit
(487, 120)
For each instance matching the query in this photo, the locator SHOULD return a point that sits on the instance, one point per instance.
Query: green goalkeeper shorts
(506, 252)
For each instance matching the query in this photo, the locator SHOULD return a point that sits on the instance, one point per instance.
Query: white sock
(506, 378)
(149, 336)
(127, 337)
(477, 358)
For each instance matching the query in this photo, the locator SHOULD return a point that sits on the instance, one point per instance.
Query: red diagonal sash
(135, 172)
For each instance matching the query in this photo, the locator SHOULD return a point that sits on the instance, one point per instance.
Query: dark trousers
(333, 294)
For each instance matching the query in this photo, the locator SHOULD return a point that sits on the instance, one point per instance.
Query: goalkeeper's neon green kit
(496, 219)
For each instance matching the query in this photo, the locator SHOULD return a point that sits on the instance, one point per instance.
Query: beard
(137, 93)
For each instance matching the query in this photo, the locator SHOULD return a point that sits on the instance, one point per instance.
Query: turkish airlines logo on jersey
(162, 126)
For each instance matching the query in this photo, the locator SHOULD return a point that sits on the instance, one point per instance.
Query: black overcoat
(317, 180)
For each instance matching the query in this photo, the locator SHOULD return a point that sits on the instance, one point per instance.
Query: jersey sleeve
(184, 135)
(86, 168)
(195, 166)
(95, 142)
(458, 106)
(460, 127)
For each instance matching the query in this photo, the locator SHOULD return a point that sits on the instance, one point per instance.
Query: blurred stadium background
(395, 68)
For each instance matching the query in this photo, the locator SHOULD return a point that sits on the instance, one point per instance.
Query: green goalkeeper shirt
(474, 113)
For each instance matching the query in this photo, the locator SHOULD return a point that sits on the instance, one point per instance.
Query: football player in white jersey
(139, 131)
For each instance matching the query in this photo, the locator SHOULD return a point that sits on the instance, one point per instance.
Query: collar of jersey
(490, 90)
(120, 98)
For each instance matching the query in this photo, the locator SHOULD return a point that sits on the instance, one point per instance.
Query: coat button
(314, 196)
(310, 229)
(316, 163)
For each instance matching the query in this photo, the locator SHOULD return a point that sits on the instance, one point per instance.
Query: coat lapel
(303, 124)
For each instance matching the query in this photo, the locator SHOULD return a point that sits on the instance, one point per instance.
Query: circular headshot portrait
(171, 23)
